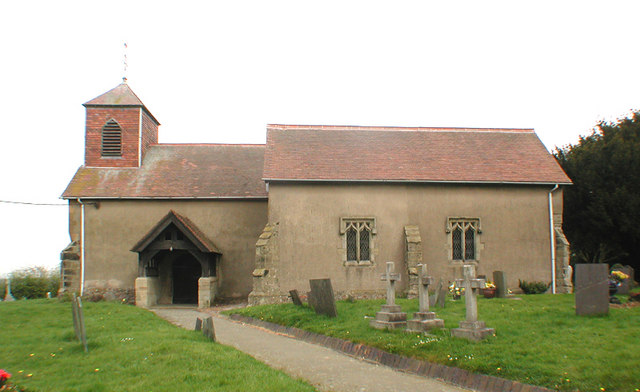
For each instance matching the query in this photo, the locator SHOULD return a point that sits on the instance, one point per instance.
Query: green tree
(602, 208)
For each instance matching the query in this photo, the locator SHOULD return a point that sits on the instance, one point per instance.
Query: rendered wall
(115, 226)
(514, 222)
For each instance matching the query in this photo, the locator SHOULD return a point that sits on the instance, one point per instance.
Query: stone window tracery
(463, 238)
(358, 240)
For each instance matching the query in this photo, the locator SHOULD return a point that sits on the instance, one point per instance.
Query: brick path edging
(452, 375)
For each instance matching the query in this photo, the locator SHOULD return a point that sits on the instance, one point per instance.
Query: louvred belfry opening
(111, 139)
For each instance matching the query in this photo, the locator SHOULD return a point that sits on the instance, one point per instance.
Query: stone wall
(412, 257)
(266, 286)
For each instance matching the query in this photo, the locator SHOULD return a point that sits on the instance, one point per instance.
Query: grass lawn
(539, 339)
(130, 349)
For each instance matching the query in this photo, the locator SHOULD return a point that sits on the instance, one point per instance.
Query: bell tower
(119, 129)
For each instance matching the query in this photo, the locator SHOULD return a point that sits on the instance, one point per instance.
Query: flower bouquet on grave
(4, 376)
(456, 291)
(489, 290)
(619, 276)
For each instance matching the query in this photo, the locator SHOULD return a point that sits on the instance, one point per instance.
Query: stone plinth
(147, 291)
(472, 330)
(207, 290)
(424, 322)
(390, 317)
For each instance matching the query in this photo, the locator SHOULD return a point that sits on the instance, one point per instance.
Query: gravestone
(78, 321)
(198, 326)
(441, 296)
(295, 297)
(434, 298)
(208, 330)
(391, 315)
(472, 328)
(500, 280)
(9, 296)
(626, 284)
(592, 289)
(424, 320)
(321, 297)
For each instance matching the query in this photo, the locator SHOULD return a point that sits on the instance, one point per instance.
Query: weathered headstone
(435, 297)
(321, 297)
(441, 296)
(198, 326)
(424, 320)
(472, 328)
(592, 289)
(9, 296)
(78, 321)
(625, 285)
(208, 330)
(391, 315)
(295, 297)
(500, 280)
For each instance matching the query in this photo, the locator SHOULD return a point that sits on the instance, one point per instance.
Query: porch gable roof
(184, 224)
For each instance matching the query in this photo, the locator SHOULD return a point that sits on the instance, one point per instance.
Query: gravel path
(326, 369)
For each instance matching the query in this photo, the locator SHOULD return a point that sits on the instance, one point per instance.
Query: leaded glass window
(463, 239)
(358, 239)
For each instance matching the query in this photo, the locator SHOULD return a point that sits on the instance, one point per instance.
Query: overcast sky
(218, 72)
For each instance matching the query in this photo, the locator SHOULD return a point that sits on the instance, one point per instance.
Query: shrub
(34, 282)
(533, 287)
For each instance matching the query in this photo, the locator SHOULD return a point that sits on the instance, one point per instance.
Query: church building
(194, 223)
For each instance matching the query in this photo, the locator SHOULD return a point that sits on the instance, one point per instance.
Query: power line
(31, 204)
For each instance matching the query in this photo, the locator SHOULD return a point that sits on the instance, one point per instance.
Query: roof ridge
(209, 144)
(395, 128)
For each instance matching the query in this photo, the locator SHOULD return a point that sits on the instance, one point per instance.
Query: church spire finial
(124, 76)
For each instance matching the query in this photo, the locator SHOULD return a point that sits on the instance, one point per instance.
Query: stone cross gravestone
(78, 321)
(295, 297)
(424, 320)
(208, 330)
(472, 328)
(9, 296)
(321, 297)
(500, 280)
(391, 315)
(592, 289)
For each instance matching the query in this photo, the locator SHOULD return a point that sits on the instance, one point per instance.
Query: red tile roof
(178, 171)
(354, 153)
(121, 95)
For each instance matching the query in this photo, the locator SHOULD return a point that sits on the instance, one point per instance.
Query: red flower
(4, 375)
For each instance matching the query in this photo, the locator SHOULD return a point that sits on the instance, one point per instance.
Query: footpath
(324, 368)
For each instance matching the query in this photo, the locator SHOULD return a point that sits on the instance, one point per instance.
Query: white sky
(220, 71)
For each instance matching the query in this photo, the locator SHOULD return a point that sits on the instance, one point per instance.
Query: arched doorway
(186, 272)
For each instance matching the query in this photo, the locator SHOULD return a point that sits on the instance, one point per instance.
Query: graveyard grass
(539, 339)
(130, 349)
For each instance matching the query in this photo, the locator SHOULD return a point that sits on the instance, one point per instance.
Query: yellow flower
(96, 370)
(29, 375)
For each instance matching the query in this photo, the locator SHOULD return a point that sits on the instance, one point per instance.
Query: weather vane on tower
(124, 77)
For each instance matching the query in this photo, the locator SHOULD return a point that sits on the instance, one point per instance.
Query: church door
(186, 272)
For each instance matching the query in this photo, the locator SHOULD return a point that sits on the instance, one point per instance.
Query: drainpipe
(552, 241)
(81, 246)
